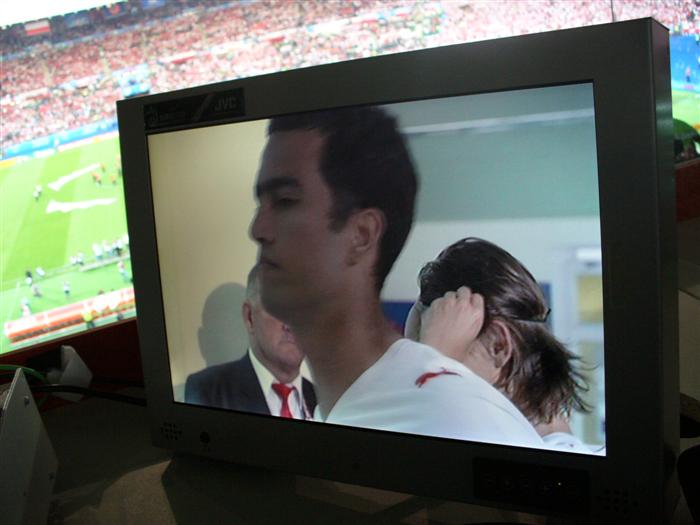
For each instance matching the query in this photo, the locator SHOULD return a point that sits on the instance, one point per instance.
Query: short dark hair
(541, 378)
(366, 164)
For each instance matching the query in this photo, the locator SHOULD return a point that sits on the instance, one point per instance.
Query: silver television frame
(628, 65)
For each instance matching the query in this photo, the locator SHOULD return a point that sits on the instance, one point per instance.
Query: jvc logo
(226, 104)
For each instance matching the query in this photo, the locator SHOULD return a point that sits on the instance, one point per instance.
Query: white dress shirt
(274, 403)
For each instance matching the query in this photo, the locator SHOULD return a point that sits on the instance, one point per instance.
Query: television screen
(451, 270)
(514, 169)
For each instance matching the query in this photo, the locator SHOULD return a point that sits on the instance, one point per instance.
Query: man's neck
(280, 375)
(339, 347)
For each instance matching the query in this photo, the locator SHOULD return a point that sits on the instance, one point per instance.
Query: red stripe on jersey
(423, 379)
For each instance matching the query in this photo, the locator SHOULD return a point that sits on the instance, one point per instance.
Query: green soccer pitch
(48, 230)
(686, 107)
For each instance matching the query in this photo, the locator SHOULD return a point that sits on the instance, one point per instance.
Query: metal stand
(27, 459)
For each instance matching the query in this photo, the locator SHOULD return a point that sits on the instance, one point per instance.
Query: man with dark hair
(365, 164)
(336, 192)
(267, 379)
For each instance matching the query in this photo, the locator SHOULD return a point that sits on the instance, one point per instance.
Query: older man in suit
(267, 380)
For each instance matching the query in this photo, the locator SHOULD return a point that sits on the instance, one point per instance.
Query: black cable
(53, 389)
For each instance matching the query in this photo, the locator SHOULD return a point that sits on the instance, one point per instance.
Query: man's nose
(260, 230)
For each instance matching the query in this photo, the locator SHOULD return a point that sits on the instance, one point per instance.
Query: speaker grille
(170, 431)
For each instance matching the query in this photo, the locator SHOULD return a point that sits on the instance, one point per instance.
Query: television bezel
(628, 66)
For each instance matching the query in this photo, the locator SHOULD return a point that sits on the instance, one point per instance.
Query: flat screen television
(555, 147)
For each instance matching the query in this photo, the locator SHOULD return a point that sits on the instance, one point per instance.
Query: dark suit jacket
(235, 386)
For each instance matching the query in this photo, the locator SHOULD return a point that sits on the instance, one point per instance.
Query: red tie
(283, 392)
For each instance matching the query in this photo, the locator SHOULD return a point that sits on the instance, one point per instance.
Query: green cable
(31, 372)
(26, 370)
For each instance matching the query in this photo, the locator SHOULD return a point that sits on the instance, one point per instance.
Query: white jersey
(570, 443)
(414, 389)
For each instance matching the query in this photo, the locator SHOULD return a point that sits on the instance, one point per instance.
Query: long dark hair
(541, 378)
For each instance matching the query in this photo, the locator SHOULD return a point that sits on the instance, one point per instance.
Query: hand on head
(453, 322)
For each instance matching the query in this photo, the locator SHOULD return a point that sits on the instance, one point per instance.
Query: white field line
(59, 183)
(67, 207)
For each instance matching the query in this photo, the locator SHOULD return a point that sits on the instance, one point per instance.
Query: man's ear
(367, 227)
(247, 314)
(502, 346)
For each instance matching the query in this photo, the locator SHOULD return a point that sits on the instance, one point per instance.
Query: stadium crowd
(71, 77)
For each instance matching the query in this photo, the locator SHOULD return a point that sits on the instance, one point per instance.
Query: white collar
(265, 377)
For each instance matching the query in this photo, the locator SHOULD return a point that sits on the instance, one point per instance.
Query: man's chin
(277, 303)
(292, 356)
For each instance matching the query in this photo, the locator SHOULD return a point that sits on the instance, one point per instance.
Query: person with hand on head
(495, 324)
(267, 380)
(336, 192)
